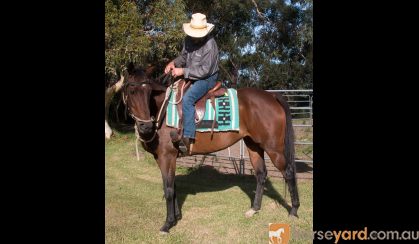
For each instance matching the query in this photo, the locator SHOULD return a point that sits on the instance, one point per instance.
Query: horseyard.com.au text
(365, 235)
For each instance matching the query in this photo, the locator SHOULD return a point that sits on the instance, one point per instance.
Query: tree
(263, 43)
(266, 44)
(141, 32)
(286, 43)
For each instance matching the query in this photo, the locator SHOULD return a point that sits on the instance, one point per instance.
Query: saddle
(200, 107)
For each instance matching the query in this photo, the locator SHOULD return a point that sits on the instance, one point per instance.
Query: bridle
(137, 119)
(152, 119)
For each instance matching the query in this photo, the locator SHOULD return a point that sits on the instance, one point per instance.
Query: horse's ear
(130, 68)
(149, 70)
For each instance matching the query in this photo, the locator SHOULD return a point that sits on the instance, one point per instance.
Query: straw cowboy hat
(198, 27)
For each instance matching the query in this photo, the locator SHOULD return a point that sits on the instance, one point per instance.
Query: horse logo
(279, 233)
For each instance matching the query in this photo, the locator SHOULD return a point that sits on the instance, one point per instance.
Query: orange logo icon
(279, 233)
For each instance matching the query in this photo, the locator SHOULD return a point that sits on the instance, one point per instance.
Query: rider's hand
(177, 72)
(169, 66)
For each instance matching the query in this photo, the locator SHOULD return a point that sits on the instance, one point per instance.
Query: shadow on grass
(207, 179)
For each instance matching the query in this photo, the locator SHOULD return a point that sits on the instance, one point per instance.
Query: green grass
(213, 204)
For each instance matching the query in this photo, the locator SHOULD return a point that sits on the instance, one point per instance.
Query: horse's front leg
(167, 166)
(178, 213)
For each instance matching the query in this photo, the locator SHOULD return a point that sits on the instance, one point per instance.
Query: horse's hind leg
(258, 163)
(289, 174)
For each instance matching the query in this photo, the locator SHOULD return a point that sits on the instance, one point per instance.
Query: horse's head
(137, 95)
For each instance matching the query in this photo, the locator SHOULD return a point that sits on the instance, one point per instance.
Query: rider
(198, 62)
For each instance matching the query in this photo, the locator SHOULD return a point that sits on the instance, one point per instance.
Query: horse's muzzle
(145, 127)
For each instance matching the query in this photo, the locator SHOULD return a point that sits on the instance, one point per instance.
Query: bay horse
(265, 126)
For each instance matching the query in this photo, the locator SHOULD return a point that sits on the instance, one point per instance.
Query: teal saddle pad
(227, 113)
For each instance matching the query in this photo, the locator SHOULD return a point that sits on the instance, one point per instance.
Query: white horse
(276, 234)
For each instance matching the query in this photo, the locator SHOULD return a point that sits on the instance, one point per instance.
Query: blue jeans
(198, 89)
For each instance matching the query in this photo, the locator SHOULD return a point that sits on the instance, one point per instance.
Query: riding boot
(184, 145)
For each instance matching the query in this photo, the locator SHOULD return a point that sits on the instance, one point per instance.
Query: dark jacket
(198, 60)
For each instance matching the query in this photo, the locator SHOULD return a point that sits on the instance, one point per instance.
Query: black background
(53, 153)
(365, 134)
(365, 131)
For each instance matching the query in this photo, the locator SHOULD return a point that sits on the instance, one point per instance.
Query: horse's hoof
(250, 213)
(164, 230)
(293, 213)
(166, 227)
(293, 217)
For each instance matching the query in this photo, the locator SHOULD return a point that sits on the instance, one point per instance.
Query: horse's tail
(290, 170)
(289, 153)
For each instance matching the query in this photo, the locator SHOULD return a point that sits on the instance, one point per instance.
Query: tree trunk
(108, 130)
(109, 94)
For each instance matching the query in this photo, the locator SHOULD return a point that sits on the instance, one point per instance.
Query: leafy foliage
(263, 43)
(141, 32)
(266, 44)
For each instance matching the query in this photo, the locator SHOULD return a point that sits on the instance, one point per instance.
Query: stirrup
(183, 147)
(178, 141)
